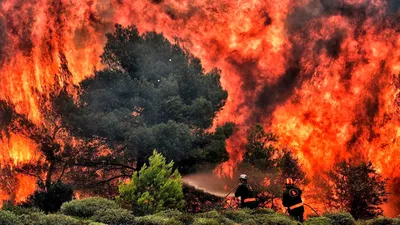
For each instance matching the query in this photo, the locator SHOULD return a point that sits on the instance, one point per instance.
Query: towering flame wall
(322, 74)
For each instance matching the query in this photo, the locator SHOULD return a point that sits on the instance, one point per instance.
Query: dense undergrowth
(99, 211)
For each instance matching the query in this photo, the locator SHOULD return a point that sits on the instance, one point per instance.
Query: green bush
(206, 221)
(274, 219)
(155, 219)
(114, 217)
(58, 219)
(9, 218)
(210, 215)
(154, 188)
(19, 210)
(318, 221)
(87, 207)
(384, 221)
(96, 223)
(238, 216)
(263, 211)
(250, 222)
(186, 219)
(36, 218)
(341, 218)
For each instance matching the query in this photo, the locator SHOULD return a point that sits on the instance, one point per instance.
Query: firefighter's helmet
(289, 181)
(243, 177)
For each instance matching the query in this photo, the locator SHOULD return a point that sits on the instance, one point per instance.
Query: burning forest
(90, 88)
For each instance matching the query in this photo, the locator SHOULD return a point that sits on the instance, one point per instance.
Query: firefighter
(248, 198)
(291, 199)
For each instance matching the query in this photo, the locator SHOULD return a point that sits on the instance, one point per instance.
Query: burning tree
(356, 188)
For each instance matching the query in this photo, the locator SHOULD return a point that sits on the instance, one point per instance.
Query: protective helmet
(243, 177)
(289, 181)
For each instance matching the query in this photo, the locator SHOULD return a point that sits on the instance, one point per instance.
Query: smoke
(209, 182)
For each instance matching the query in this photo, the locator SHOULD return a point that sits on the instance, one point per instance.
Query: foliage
(157, 219)
(87, 207)
(114, 217)
(341, 218)
(274, 219)
(152, 95)
(18, 209)
(50, 199)
(384, 221)
(356, 188)
(59, 220)
(36, 218)
(239, 215)
(318, 221)
(206, 221)
(156, 187)
(9, 218)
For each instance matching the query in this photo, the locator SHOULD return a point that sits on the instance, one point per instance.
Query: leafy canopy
(152, 95)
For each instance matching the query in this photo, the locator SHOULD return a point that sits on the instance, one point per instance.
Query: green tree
(152, 95)
(356, 188)
(154, 188)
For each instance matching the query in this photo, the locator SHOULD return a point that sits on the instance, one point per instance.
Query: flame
(18, 150)
(317, 73)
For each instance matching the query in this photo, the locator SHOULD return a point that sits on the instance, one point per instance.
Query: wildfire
(320, 74)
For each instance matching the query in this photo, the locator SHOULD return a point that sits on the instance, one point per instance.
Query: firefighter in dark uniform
(291, 199)
(248, 198)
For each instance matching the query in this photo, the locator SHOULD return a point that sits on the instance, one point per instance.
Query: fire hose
(308, 207)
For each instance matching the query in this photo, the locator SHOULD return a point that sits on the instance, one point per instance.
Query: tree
(269, 166)
(154, 188)
(356, 188)
(152, 95)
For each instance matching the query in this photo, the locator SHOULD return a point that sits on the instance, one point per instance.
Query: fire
(18, 150)
(322, 75)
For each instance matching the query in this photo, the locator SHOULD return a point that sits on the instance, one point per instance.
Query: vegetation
(154, 188)
(115, 215)
(356, 188)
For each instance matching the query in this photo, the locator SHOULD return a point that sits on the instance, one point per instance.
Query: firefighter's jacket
(291, 198)
(246, 193)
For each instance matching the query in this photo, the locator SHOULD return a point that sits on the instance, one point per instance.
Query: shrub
(274, 219)
(9, 218)
(238, 216)
(263, 211)
(341, 218)
(50, 199)
(87, 207)
(186, 219)
(165, 190)
(210, 214)
(58, 219)
(155, 219)
(96, 223)
(114, 217)
(250, 222)
(318, 221)
(384, 221)
(19, 210)
(36, 218)
(206, 221)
